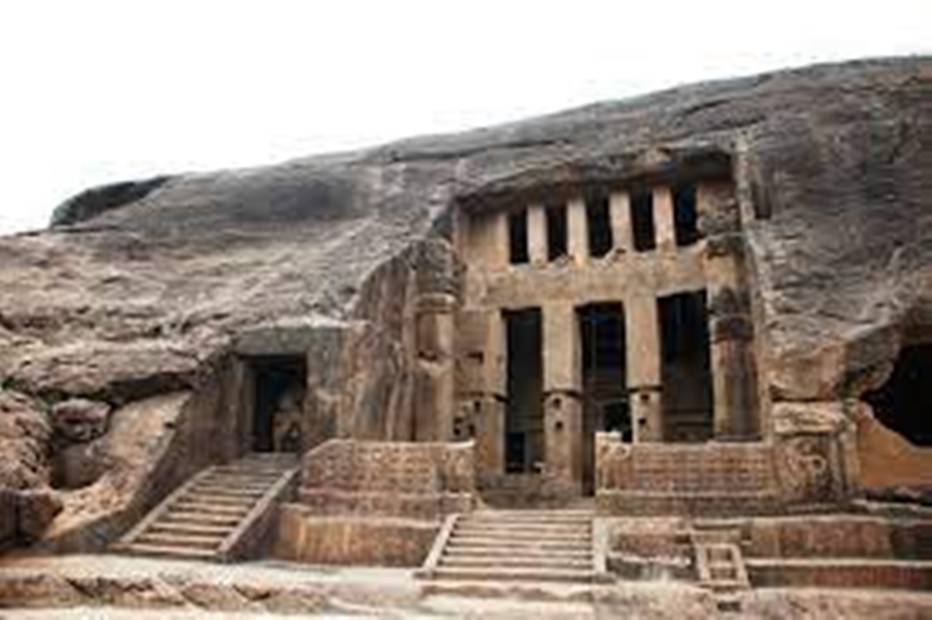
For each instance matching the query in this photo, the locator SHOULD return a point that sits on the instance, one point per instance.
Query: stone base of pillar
(646, 407)
(482, 417)
(563, 435)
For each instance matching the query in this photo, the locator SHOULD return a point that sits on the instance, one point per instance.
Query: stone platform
(107, 586)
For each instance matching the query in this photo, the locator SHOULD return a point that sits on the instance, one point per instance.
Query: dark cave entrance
(524, 417)
(904, 403)
(278, 403)
(605, 398)
(685, 369)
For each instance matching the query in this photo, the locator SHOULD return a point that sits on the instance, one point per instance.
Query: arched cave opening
(904, 403)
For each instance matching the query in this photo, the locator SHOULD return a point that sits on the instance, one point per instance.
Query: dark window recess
(685, 215)
(642, 221)
(517, 238)
(599, 225)
(556, 231)
(904, 402)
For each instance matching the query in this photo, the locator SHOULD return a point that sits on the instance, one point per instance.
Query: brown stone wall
(304, 536)
(711, 478)
(425, 480)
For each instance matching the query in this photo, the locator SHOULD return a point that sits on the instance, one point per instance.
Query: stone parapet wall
(422, 480)
(709, 478)
(305, 536)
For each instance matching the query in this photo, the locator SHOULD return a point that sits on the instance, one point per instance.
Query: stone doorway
(686, 370)
(278, 403)
(904, 403)
(524, 416)
(605, 398)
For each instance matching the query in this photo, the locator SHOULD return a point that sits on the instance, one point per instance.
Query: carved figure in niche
(288, 421)
(78, 420)
(806, 464)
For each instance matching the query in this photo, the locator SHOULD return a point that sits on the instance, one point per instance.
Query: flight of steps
(515, 545)
(210, 515)
(720, 563)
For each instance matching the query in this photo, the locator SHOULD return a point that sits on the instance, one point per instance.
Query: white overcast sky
(95, 91)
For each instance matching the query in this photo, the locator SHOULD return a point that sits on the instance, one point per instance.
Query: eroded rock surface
(143, 289)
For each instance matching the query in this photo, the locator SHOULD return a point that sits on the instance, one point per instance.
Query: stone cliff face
(141, 289)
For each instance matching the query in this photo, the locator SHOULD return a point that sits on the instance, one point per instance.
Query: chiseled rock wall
(303, 536)
(142, 289)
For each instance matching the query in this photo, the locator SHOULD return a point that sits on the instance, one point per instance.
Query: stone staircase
(719, 562)
(516, 545)
(218, 514)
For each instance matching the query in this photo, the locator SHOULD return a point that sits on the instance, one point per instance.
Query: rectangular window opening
(685, 215)
(556, 231)
(642, 220)
(517, 238)
(599, 225)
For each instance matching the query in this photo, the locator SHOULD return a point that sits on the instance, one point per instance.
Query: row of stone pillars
(620, 221)
(735, 413)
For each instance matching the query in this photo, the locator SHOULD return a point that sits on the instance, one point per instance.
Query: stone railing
(422, 480)
(708, 478)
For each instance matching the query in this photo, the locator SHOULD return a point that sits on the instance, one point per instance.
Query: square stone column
(731, 331)
(664, 219)
(577, 231)
(562, 395)
(619, 208)
(490, 434)
(643, 366)
(435, 387)
(537, 234)
(488, 240)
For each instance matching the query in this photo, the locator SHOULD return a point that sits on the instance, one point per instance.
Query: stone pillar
(480, 382)
(492, 428)
(731, 331)
(537, 234)
(495, 245)
(562, 392)
(577, 231)
(619, 208)
(434, 379)
(664, 219)
(643, 366)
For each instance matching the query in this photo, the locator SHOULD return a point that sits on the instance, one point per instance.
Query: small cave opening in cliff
(556, 231)
(279, 386)
(685, 215)
(904, 403)
(685, 369)
(518, 252)
(605, 394)
(642, 220)
(599, 226)
(524, 416)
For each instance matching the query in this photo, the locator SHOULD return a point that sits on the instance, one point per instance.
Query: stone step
(180, 540)
(495, 553)
(195, 529)
(520, 537)
(516, 546)
(199, 518)
(160, 550)
(530, 531)
(516, 574)
(230, 510)
(514, 562)
(211, 498)
(250, 492)
(528, 517)
(231, 482)
(558, 528)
